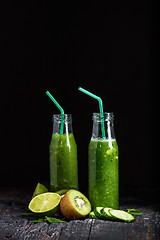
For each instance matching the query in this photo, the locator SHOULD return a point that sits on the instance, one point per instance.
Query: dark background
(108, 49)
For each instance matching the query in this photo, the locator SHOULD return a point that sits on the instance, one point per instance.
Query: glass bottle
(103, 164)
(63, 156)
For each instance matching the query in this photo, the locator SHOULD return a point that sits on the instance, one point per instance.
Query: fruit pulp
(45, 203)
(75, 205)
(103, 173)
(63, 162)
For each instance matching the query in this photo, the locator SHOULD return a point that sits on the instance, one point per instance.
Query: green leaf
(38, 220)
(136, 213)
(54, 220)
(26, 214)
(133, 210)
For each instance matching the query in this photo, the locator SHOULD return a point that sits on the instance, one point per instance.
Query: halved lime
(40, 188)
(45, 204)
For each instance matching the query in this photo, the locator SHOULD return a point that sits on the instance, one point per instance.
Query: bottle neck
(67, 124)
(108, 124)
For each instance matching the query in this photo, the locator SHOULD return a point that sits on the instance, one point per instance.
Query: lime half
(40, 188)
(45, 204)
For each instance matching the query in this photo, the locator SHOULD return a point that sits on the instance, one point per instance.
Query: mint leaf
(38, 220)
(133, 210)
(54, 220)
(136, 213)
(26, 214)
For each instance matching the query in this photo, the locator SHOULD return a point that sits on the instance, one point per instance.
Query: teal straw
(100, 108)
(61, 110)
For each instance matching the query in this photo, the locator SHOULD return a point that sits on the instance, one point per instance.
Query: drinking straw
(61, 110)
(100, 108)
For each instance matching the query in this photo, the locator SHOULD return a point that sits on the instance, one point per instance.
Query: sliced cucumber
(92, 215)
(121, 215)
(98, 213)
(106, 214)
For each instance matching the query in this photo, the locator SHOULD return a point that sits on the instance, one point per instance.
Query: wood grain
(13, 226)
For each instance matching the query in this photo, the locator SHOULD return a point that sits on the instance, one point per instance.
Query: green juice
(63, 162)
(103, 173)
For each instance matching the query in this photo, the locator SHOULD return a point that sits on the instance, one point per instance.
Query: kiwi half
(75, 205)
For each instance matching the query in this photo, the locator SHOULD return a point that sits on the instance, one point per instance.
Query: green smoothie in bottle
(63, 156)
(103, 164)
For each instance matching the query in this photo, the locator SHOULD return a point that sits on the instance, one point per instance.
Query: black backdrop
(108, 49)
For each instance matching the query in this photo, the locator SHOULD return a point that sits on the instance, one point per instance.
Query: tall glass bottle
(103, 164)
(63, 156)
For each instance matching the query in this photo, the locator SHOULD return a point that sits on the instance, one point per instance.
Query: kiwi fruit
(75, 205)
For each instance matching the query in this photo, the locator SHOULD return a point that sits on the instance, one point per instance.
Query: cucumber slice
(92, 215)
(106, 214)
(121, 215)
(97, 212)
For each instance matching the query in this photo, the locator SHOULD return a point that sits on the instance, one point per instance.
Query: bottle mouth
(58, 117)
(108, 116)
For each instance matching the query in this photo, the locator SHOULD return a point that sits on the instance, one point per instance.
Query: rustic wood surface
(16, 227)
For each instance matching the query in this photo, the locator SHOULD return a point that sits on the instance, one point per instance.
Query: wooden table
(16, 227)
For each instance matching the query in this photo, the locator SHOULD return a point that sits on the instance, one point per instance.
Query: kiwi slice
(75, 205)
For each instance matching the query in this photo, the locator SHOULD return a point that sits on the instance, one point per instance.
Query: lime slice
(121, 215)
(97, 212)
(40, 188)
(92, 215)
(45, 204)
(105, 212)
